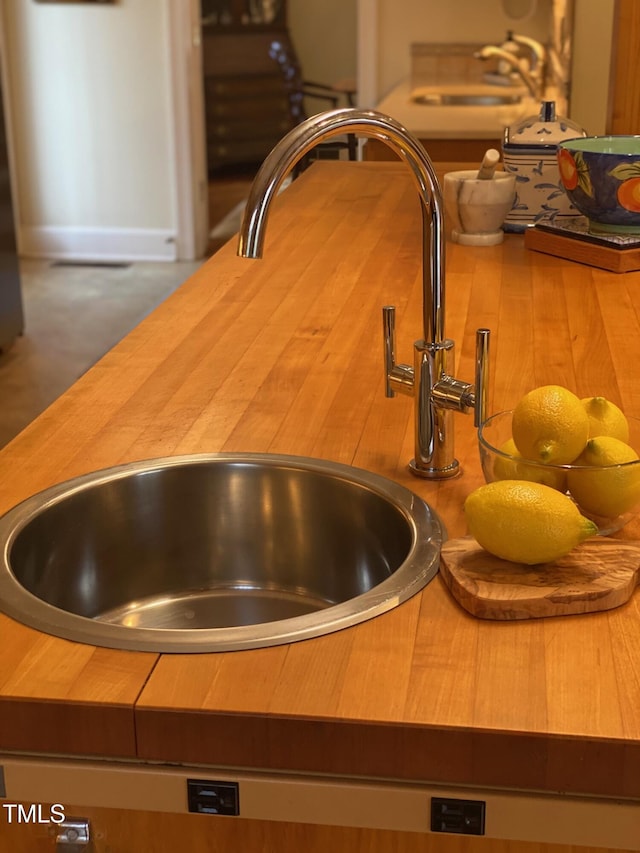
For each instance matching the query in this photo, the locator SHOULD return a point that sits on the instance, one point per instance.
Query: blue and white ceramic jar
(529, 152)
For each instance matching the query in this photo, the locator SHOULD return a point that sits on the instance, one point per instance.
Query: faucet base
(446, 473)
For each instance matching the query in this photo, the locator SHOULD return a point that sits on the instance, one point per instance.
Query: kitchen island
(284, 355)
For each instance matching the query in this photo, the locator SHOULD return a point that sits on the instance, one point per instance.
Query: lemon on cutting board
(525, 522)
(550, 424)
(605, 418)
(606, 491)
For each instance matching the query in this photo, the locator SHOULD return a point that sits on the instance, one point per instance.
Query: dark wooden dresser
(251, 80)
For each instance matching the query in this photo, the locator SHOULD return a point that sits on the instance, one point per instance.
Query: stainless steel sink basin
(214, 552)
(443, 99)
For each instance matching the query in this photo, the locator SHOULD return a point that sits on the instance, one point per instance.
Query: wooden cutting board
(575, 243)
(599, 574)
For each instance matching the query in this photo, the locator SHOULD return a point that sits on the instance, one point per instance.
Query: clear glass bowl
(612, 492)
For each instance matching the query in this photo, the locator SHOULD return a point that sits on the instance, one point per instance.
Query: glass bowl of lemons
(586, 448)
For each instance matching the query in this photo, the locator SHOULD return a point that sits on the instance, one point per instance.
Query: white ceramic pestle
(488, 165)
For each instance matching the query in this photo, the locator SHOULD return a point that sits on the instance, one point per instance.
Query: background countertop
(457, 122)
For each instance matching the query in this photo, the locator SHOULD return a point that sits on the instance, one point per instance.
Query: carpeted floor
(227, 194)
(75, 313)
(228, 225)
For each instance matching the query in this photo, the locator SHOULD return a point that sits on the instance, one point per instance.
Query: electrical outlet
(464, 817)
(209, 797)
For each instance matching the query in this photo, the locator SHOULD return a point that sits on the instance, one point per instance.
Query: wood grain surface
(285, 355)
(124, 831)
(599, 574)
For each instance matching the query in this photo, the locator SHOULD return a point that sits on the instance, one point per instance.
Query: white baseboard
(97, 244)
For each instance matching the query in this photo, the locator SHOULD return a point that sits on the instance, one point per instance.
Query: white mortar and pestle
(477, 202)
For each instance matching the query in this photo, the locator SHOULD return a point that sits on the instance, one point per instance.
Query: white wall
(592, 36)
(91, 112)
(324, 34)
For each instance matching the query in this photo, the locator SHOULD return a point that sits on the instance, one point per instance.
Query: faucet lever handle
(399, 375)
(481, 377)
(389, 343)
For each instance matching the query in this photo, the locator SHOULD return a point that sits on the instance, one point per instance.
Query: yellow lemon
(525, 522)
(550, 425)
(606, 491)
(605, 418)
(518, 468)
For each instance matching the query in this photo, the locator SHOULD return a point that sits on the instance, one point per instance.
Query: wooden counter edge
(408, 752)
(59, 727)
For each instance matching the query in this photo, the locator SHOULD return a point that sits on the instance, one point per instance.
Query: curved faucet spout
(538, 52)
(369, 123)
(530, 81)
(436, 393)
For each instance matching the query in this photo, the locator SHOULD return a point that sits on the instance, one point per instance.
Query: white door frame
(190, 184)
(187, 92)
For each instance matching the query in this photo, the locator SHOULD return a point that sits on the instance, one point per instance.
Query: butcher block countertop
(284, 355)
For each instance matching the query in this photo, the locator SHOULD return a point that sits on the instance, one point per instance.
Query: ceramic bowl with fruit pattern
(601, 177)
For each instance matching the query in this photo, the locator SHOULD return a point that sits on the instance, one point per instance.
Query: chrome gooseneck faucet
(435, 392)
(531, 79)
